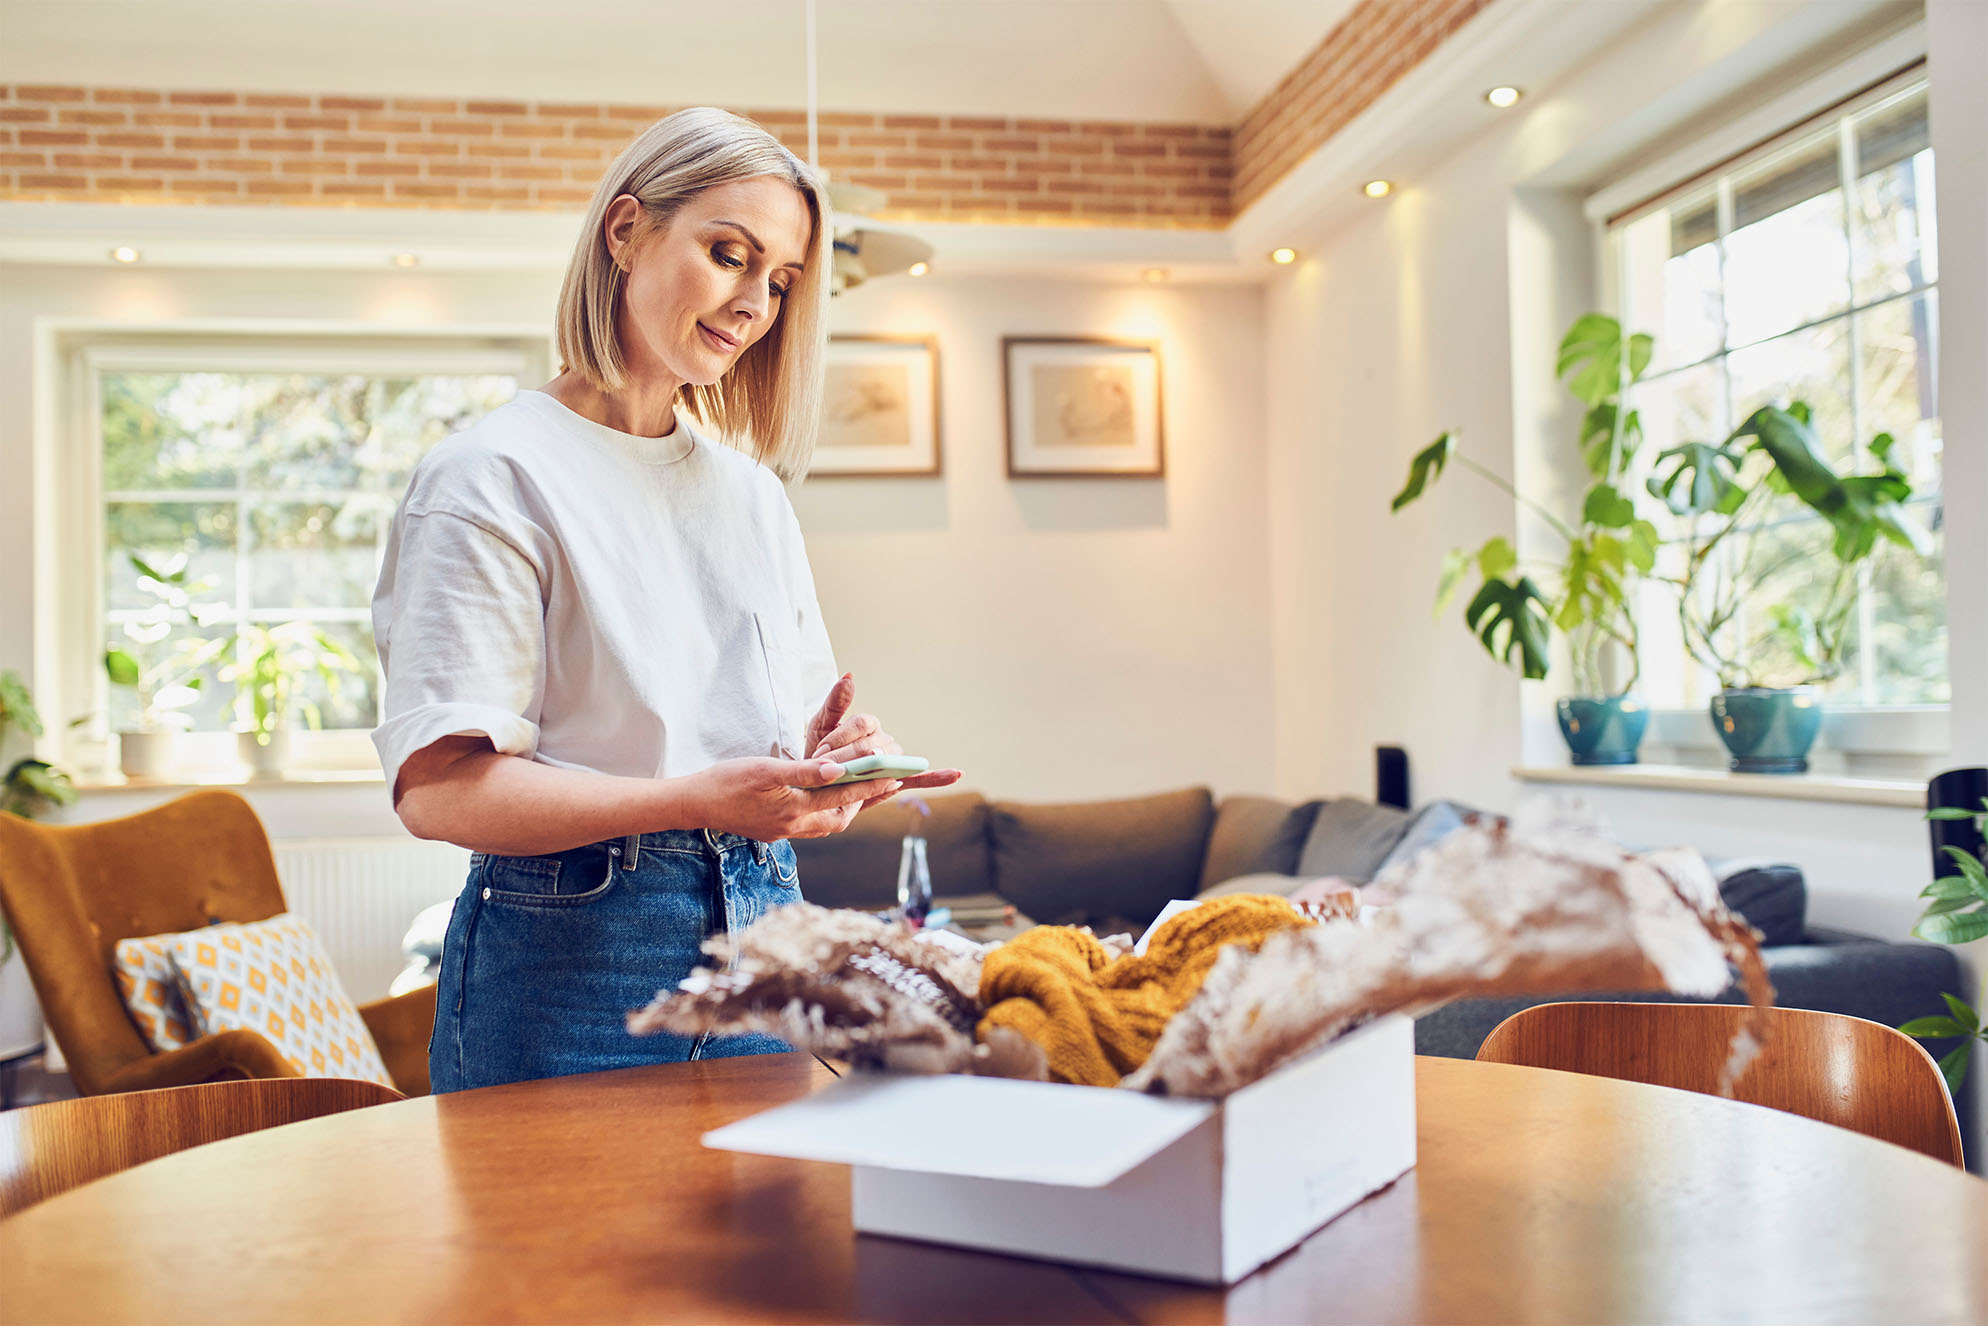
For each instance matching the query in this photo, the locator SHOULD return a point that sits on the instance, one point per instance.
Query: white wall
(1055, 638)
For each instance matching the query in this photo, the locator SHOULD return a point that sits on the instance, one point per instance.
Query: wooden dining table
(1538, 1197)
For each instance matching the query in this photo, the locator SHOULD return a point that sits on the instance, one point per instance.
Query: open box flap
(974, 1127)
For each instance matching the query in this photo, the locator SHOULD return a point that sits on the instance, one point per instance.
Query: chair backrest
(49, 1149)
(73, 891)
(1859, 1075)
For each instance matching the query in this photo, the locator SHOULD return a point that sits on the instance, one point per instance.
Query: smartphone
(866, 767)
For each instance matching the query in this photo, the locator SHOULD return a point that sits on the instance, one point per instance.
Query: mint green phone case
(867, 767)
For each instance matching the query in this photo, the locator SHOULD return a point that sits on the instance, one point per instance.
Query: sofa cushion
(1427, 826)
(1256, 836)
(1100, 863)
(858, 867)
(1772, 896)
(1350, 838)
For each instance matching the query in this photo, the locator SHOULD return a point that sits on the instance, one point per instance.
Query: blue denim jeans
(546, 955)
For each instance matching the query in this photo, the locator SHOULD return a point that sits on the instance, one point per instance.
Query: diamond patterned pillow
(274, 977)
(145, 977)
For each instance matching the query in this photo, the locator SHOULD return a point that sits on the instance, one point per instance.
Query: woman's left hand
(836, 734)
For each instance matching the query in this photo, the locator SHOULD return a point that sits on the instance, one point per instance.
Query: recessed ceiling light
(1283, 257)
(406, 259)
(1501, 97)
(1154, 275)
(124, 253)
(920, 268)
(1379, 188)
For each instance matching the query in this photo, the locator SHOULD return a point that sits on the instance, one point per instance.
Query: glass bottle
(914, 883)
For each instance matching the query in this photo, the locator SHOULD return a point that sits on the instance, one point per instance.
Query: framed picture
(880, 407)
(1083, 407)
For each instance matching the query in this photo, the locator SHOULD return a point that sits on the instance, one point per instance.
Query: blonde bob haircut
(769, 402)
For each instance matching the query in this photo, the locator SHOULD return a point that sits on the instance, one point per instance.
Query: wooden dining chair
(1859, 1075)
(49, 1149)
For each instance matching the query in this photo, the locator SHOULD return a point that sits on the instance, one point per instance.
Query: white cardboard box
(1190, 1190)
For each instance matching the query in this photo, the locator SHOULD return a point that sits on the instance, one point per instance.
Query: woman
(598, 627)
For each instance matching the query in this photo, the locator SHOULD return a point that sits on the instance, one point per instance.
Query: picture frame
(880, 408)
(1083, 407)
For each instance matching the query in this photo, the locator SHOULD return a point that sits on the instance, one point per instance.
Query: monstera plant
(1587, 594)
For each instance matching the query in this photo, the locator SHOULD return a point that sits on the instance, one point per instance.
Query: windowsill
(116, 782)
(1720, 782)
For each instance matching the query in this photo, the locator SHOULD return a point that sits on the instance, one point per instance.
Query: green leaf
(1935, 1028)
(1643, 541)
(1608, 508)
(122, 667)
(145, 568)
(1948, 886)
(1962, 1010)
(1598, 438)
(1952, 813)
(1953, 1066)
(1496, 557)
(1951, 903)
(1861, 509)
(1971, 870)
(1425, 469)
(1707, 475)
(1511, 618)
(1591, 358)
(1881, 446)
(1956, 928)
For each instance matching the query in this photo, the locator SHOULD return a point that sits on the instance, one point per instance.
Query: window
(264, 479)
(1806, 269)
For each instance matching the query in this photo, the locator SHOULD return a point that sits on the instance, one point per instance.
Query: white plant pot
(146, 754)
(265, 761)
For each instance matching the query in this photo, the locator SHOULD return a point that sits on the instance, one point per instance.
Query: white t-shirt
(592, 599)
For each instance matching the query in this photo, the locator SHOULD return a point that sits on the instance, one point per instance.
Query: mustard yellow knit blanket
(1097, 1018)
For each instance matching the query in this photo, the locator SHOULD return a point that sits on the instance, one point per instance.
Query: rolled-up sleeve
(459, 620)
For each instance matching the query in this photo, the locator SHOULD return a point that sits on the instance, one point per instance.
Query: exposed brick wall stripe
(1369, 51)
(135, 145)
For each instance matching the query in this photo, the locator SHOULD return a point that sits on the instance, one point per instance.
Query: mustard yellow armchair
(71, 892)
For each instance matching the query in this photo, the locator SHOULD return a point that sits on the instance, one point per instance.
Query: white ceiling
(1204, 61)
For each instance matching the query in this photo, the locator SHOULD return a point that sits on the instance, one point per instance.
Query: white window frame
(1908, 741)
(70, 579)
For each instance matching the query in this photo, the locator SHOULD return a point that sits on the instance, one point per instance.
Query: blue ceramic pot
(1603, 729)
(1768, 731)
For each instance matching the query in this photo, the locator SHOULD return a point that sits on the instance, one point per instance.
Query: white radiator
(360, 895)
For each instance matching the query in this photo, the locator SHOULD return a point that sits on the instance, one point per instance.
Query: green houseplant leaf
(1598, 438)
(1425, 468)
(1953, 927)
(1510, 617)
(1936, 1028)
(1591, 357)
(1608, 508)
(1953, 1066)
(1708, 476)
(122, 667)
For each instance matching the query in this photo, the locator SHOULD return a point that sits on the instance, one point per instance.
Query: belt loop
(631, 850)
(759, 852)
(711, 841)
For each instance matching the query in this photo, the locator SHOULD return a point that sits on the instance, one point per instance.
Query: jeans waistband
(704, 842)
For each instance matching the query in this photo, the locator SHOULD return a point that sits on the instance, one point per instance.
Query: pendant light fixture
(865, 248)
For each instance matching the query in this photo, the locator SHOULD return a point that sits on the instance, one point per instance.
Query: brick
(204, 98)
(1012, 143)
(312, 166)
(1201, 152)
(1169, 131)
(460, 170)
(205, 143)
(25, 115)
(1076, 147)
(88, 161)
(278, 188)
(1216, 192)
(604, 133)
(1044, 166)
(31, 160)
(592, 152)
(912, 122)
(372, 169)
(432, 147)
(45, 92)
(994, 163)
(496, 107)
(352, 103)
(988, 185)
(646, 114)
(1108, 128)
(386, 124)
(497, 194)
(944, 142)
(875, 180)
(424, 106)
(565, 196)
(570, 110)
(99, 117)
(405, 189)
(1138, 149)
(204, 184)
(130, 184)
(849, 160)
(52, 138)
(125, 96)
(499, 151)
(848, 120)
(355, 146)
(978, 123)
(353, 189)
(292, 144)
(37, 181)
(878, 140)
(912, 161)
(523, 171)
(530, 129)
(239, 122)
(1071, 186)
(276, 101)
(319, 123)
(166, 119)
(242, 165)
(1045, 126)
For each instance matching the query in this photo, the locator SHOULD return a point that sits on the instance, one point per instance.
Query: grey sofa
(1114, 864)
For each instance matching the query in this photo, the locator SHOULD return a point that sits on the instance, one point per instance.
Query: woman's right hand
(768, 799)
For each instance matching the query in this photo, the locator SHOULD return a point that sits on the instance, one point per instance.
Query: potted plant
(1956, 913)
(163, 687)
(265, 676)
(1589, 590)
(1733, 498)
(30, 787)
